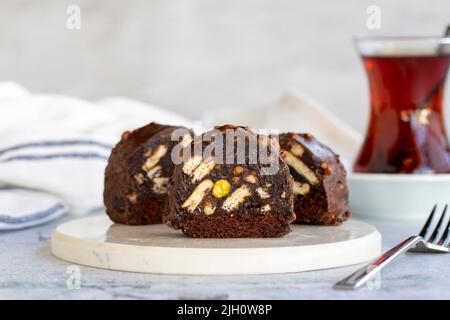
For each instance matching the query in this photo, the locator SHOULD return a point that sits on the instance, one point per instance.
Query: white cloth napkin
(54, 149)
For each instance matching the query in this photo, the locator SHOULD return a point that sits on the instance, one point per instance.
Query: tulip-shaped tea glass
(406, 131)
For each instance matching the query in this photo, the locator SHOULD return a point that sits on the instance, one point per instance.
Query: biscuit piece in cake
(248, 196)
(139, 172)
(320, 188)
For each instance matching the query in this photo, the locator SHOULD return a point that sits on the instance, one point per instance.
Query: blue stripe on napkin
(89, 155)
(55, 143)
(21, 154)
(33, 216)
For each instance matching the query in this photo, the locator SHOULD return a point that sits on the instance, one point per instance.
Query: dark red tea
(406, 132)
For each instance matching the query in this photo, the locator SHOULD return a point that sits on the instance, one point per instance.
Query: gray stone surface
(29, 271)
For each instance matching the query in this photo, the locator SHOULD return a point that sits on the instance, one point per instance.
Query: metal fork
(419, 243)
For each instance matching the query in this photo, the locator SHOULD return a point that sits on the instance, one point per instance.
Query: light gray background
(195, 55)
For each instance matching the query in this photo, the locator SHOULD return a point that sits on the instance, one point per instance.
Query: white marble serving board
(97, 242)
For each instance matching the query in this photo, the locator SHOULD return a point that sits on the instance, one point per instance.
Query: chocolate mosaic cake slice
(138, 174)
(321, 194)
(236, 192)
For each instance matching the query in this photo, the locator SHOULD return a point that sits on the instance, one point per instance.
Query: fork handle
(361, 276)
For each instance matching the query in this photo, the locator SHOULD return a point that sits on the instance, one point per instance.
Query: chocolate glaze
(130, 195)
(326, 203)
(256, 216)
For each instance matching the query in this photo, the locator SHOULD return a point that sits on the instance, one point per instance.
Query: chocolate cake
(138, 174)
(235, 191)
(321, 194)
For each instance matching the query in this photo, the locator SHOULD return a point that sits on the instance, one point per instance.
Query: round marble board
(97, 242)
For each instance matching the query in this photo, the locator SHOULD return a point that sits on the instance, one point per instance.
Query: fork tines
(438, 228)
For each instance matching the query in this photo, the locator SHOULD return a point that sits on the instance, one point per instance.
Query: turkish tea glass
(406, 131)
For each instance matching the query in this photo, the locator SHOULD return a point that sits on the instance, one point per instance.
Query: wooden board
(97, 242)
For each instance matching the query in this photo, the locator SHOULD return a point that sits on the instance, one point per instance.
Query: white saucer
(97, 242)
(397, 196)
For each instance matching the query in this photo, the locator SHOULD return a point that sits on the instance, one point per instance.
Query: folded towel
(24, 208)
(54, 149)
